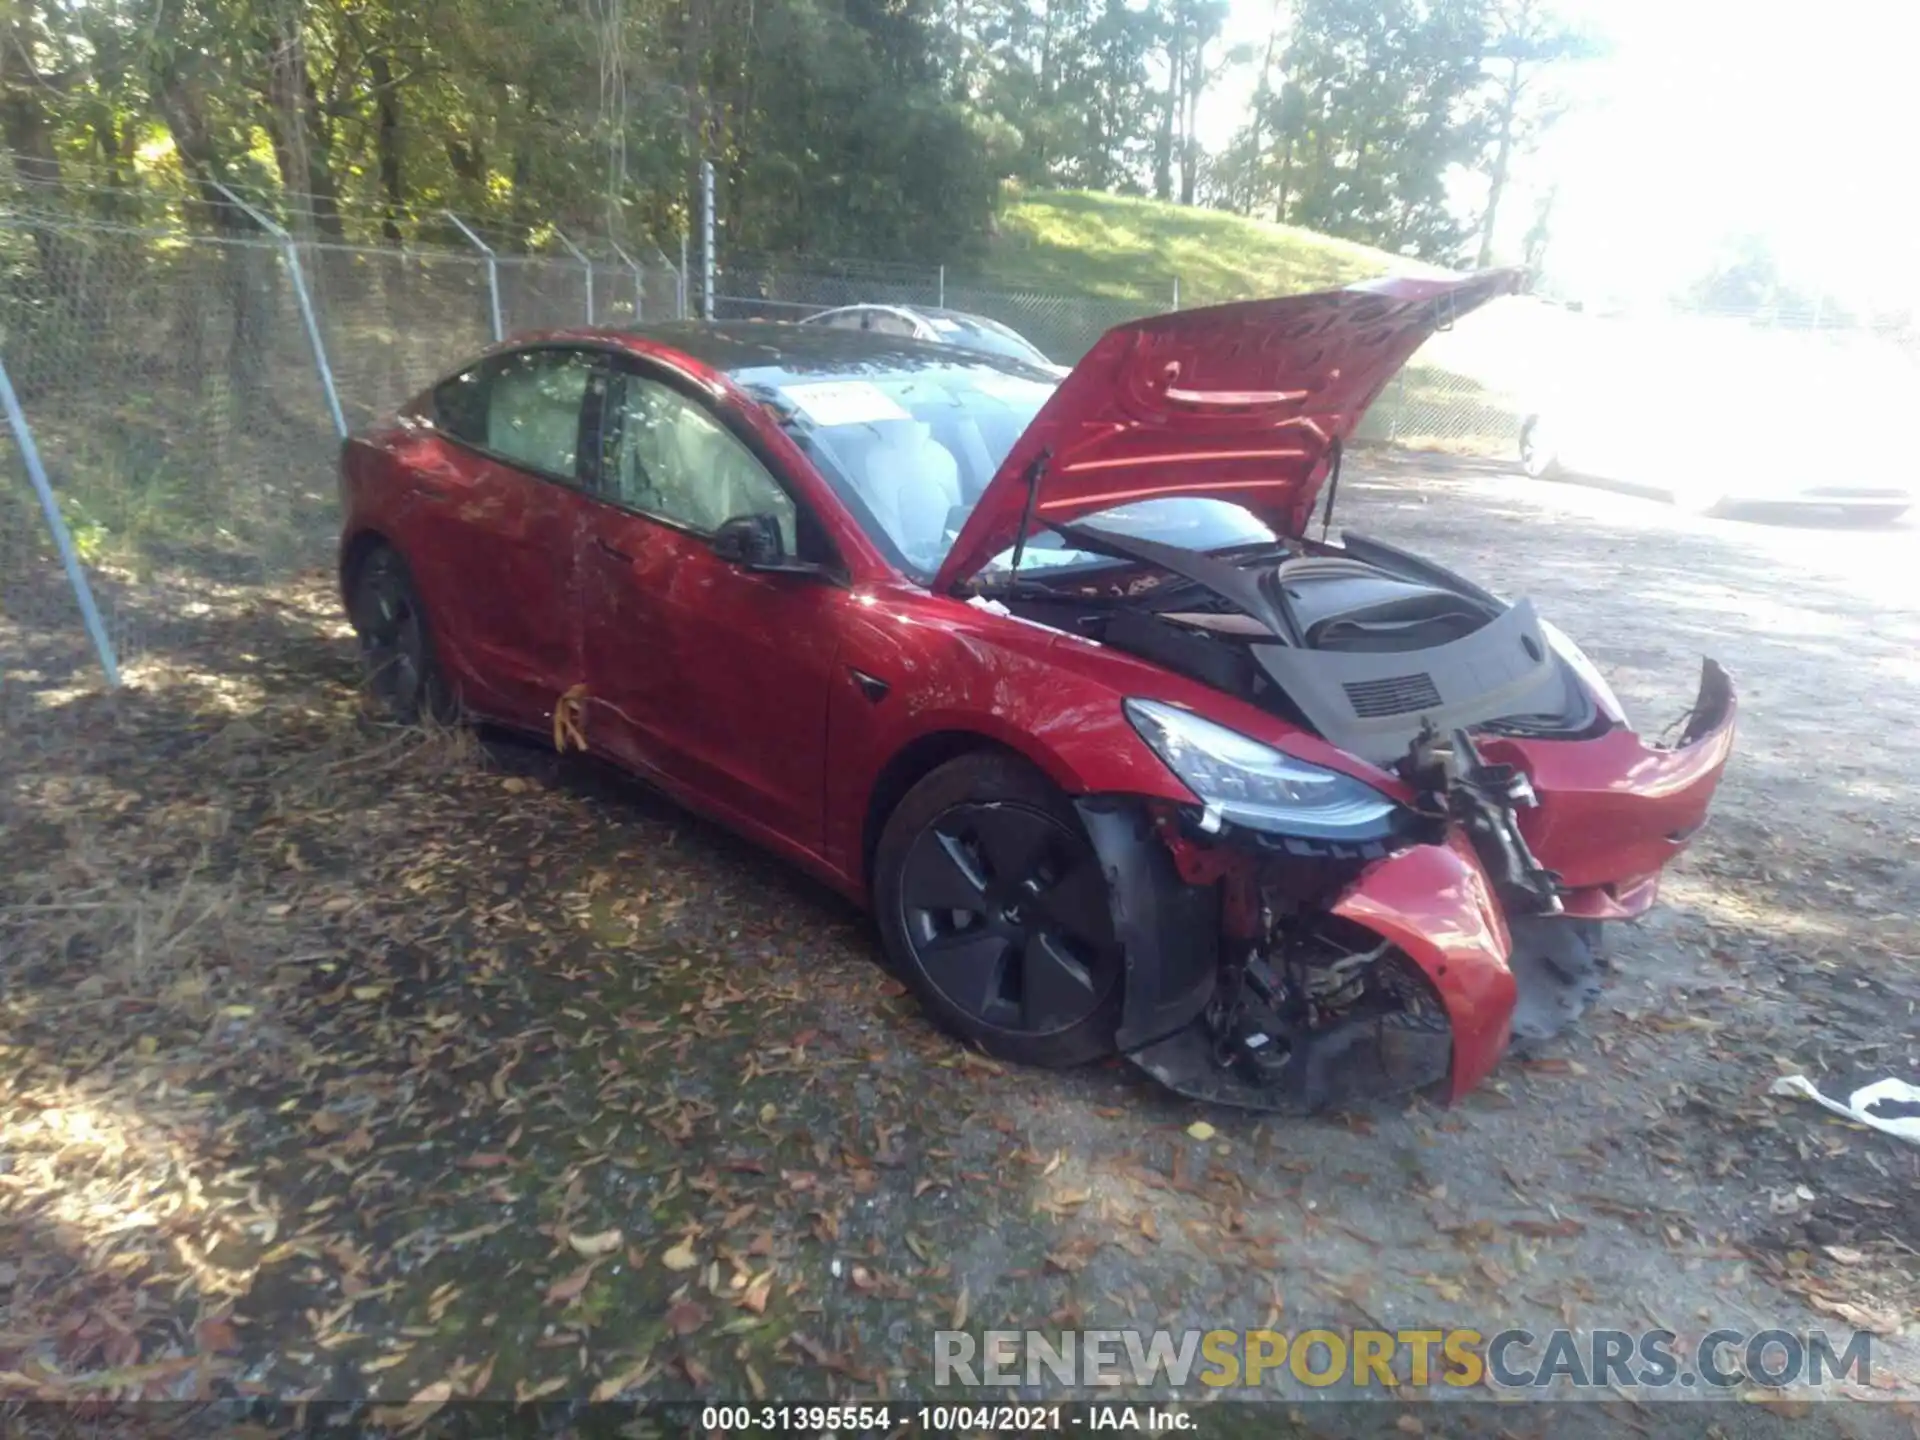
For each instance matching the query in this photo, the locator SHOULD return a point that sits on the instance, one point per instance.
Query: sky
(1710, 117)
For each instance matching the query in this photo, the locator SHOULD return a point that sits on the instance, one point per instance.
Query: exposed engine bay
(1398, 661)
(1364, 643)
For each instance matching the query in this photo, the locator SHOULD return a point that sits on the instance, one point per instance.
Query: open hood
(1239, 402)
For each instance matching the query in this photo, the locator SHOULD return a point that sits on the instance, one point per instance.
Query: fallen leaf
(217, 1334)
(605, 1243)
(1410, 1425)
(436, 1394)
(569, 1289)
(1201, 1130)
(523, 1392)
(613, 1385)
(1847, 1255)
(758, 1291)
(686, 1317)
(680, 1257)
(1546, 1229)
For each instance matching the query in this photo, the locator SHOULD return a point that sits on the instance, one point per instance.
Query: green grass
(1082, 243)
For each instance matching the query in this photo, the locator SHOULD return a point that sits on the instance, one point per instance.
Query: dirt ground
(338, 1061)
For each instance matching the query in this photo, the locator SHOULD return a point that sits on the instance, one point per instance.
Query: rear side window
(460, 406)
(524, 407)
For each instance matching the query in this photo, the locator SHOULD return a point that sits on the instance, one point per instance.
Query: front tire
(396, 642)
(993, 907)
(1538, 457)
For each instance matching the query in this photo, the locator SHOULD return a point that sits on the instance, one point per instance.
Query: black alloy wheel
(396, 646)
(995, 908)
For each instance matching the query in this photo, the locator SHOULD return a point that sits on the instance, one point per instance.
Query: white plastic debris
(1859, 1106)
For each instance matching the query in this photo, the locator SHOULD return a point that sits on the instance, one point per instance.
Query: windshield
(909, 454)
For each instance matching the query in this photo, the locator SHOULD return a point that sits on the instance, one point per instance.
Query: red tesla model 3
(1048, 674)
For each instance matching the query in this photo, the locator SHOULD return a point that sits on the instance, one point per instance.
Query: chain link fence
(178, 402)
(180, 405)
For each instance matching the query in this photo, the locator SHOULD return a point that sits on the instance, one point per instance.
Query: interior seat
(911, 483)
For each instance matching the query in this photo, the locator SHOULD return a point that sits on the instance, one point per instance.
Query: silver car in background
(1718, 418)
(942, 327)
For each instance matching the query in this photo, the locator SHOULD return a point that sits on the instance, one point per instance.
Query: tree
(1374, 109)
(1527, 43)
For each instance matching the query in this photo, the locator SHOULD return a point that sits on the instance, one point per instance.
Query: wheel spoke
(1077, 902)
(1013, 839)
(1055, 988)
(940, 875)
(967, 967)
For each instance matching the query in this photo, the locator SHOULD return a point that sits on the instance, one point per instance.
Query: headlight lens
(1257, 786)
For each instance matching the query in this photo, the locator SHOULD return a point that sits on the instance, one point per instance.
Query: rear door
(493, 534)
(711, 676)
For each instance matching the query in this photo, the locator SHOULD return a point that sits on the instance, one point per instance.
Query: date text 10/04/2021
(940, 1419)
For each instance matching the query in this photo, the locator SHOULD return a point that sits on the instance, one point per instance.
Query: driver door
(711, 677)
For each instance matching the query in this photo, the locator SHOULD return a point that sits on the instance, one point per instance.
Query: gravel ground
(350, 1063)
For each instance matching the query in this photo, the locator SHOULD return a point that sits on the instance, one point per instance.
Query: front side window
(667, 455)
(524, 408)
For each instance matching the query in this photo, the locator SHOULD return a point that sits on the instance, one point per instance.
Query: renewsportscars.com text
(1502, 1360)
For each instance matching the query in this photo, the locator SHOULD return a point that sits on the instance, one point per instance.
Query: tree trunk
(1502, 158)
(1037, 137)
(1262, 99)
(1191, 123)
(386, 140)
(1163, 144)
(299, 140)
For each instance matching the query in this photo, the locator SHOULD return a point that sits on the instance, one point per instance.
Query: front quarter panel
(950, 669)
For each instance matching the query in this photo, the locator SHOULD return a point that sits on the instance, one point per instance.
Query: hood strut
(1333, 487)
(1036, 472)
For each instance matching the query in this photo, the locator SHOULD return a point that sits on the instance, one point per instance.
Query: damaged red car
(1049, 674)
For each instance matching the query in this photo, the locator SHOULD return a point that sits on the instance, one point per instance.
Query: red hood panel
(1239, 402)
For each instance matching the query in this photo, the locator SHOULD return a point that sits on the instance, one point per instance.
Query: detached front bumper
(1501, 928)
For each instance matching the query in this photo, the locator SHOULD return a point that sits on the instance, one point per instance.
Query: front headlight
(1251, 784)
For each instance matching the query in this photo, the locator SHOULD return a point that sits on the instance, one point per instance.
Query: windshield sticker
(844, 402)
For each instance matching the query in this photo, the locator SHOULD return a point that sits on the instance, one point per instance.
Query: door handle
(614, 550)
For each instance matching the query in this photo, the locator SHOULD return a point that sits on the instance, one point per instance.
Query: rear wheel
(993, 906)
(396, 644)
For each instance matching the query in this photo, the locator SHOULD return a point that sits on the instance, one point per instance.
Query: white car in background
(942, 327)
(1714, 428)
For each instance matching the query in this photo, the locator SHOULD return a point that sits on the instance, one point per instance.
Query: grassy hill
(1066, 265)
(1083, 243)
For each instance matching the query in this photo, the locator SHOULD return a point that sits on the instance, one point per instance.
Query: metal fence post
(680, 280)
(706, 240)
(1176, 292)
(583, 258)
(639, 281)
(943, 287)
(292, 253)
(57, 523)
(493, 272)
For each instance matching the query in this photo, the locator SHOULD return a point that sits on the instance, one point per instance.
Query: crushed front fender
(1435, 904)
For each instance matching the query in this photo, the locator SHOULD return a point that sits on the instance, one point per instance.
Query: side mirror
(752, 541)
